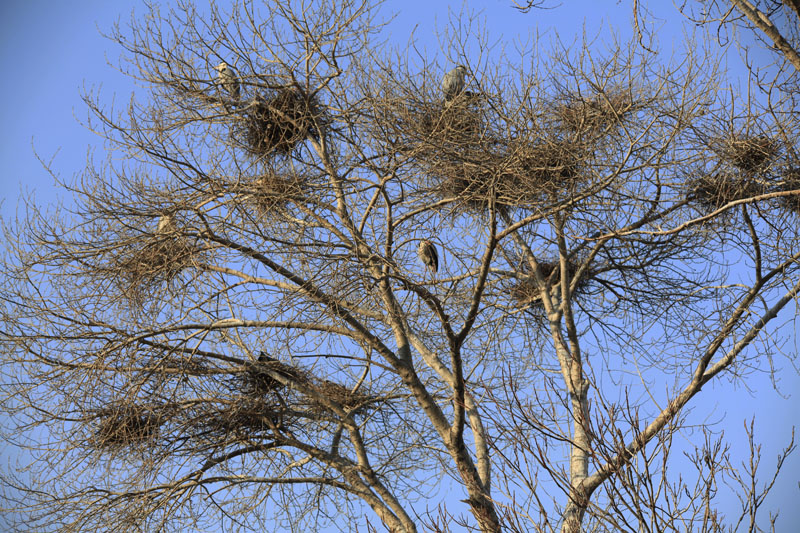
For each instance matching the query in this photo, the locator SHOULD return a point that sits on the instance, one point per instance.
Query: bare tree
(232, 326)
(773, 23)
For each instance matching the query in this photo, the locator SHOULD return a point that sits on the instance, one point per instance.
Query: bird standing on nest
(428, 255)
(453, 82)
(227, 80)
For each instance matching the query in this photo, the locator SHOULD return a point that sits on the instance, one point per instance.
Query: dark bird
(264, 357)
(227, 79)
(428, 255)
(453, 82)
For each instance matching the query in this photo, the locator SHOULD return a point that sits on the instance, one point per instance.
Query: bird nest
(517, 177)
(527, 293)
(245, 416)
(549, 167)
(712, 191)
(350, 400)
(277, 124)
(257, 380)
(599, 112)
(273, 191)
(125, 425)
(456, 123)
(791, 182)
(152, 262)
(750, 154)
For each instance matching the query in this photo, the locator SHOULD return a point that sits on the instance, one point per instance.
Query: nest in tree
(280, 122)
(348, 399)
(518, 177)
(472, 185)
(156, 260)
(712, 191)
(258, 381)
(455, 122)
(549, 167)
(751, 154)
(245, 416)
(526, 291)
(791, 182)
(425, 129)
(125, 425)
(273, 191)
(582, 114)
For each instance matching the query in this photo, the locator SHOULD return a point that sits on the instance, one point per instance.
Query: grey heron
(227, 79)
(453, 82)
(166, 224)
(428, 255)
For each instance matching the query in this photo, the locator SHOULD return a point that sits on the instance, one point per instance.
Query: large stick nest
(750, 154)
(712, 191)
(453, 145)
(257, 381)
(596, 113)
(791, 182)
(153, 261)
(125, 425)
(517, 176)
(279, 122)
(356, 401)
(273, 191)
(244, 417)
(526, 292)
(456, 122)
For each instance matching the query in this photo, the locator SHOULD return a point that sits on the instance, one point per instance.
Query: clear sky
(52, 51)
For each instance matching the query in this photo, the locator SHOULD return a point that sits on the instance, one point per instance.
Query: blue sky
(52, 51)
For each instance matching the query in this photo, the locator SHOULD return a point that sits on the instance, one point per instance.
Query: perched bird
(166, 224)
(428, 255)
(264, 357)
(227, 79)
(453, 82)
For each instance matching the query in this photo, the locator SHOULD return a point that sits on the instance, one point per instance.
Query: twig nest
(750, 154)
(258, 381)
(273, 190)
(424, 129)
(152, 262)
(278, 123)
(526, 291)
(550, 166)
(712, 191)
(456, 122)
(342, 395)
(517, 176)
(125, 425)
(242, 417)
(791, 182)
(597, 112)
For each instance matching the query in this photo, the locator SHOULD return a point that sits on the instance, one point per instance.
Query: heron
(428, 255)
(453, 82)
(227, 79)
(166, 224)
